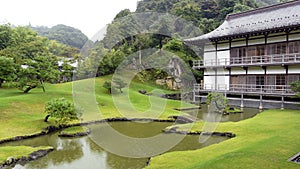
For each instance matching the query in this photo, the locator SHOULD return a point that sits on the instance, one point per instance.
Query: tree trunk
(46, 118)
(42, 83)
(29, 88)
(121, 90)
(1, 81)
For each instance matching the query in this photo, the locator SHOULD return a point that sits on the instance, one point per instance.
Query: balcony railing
(246, 88)
(253, 60)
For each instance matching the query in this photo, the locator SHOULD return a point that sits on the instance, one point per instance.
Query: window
(292, 78)
(294, 47)
(280, 80)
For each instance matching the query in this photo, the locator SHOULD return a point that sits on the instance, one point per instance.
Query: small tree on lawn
(107, 85)
(120, 84)
(62, 110)
(296, 87)
(218, 100)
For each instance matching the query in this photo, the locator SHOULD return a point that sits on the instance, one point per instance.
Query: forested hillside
(63, 34)
(188, 18)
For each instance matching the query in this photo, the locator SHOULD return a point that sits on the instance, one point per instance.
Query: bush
(218, 99)
(62, 110)
(295, 86)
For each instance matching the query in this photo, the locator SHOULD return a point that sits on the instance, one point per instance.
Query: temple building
(253, 56)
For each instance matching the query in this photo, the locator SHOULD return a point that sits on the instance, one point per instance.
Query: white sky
(89, 16)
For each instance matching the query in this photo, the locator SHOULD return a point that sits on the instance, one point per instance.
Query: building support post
(194, 96)
(282, 102)
(242, 100)
(261, 102)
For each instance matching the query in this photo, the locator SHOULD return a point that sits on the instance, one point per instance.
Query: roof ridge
(262, 9)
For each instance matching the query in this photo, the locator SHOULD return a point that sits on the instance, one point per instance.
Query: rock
(160, 82)
(142, 91)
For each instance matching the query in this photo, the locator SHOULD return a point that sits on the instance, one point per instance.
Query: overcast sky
(89, 16)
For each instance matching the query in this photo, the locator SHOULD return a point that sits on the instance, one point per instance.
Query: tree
(218, 101)
(120, 84)
(62, 110)
(295, 86)
(64, 34)
(107, 85)
(7, 70)
(37, 71)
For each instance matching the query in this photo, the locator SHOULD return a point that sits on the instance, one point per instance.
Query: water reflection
(83, 152)
(246, 114)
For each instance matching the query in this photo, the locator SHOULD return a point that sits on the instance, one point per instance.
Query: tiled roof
(280, 16)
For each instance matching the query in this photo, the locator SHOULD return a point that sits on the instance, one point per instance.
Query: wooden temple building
(253, 56)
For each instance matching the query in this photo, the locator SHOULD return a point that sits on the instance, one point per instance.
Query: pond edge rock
(11, 161)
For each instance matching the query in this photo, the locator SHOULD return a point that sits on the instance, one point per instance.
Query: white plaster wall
(256, 41)
(238, 71)
(209, 58)
(209, 72)
(223, 46)
(223, 57)
(294, 69)
(276, 39)
(223, 82)
(221, 71)
(209, 82)
(237, 44)
(209, 47)
(294, 37)
(256, 70)
(275, 70)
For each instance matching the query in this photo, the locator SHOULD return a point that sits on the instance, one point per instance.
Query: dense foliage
(62, 110)
(189, 18)
(64, 34)
(29, 60)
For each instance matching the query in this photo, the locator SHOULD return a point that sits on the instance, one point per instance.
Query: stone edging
(51, 129)
(79, 134)
(23, 160)
(222, 134)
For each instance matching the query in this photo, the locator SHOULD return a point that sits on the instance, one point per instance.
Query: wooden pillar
(261, 102)
(194, 95)
(282, 102)
(216, 62)
(242, 100)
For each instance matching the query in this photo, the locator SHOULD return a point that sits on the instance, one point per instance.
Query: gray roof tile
(258, 20)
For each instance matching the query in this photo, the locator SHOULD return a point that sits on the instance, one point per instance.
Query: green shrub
(62, 110)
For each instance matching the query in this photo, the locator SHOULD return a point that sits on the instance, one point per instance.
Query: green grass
(23, 114)
(18, 152)
(265, 141)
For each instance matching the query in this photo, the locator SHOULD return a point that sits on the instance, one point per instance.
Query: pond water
(85, 152)
(235, 117)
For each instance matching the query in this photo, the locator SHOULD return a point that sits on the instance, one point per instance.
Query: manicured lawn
(18, 152)
(23, 114)
(265, 141)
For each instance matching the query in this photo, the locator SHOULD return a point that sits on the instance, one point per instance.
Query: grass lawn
(265, 141)
(18, 151)
(23, 114)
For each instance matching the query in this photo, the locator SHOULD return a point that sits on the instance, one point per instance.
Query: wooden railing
(253, 60)
(245, 88)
